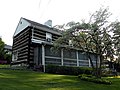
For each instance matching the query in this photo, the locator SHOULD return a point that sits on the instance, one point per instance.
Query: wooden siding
(54, 37)
(41, 35)
(21, 44)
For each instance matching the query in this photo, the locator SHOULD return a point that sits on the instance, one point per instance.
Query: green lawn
(4, 66)
(29, 80)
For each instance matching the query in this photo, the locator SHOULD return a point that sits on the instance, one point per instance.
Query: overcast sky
(59, 11)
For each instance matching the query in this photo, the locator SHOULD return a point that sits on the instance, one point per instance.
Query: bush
(93, 79)
(38, 68)
(67, 70)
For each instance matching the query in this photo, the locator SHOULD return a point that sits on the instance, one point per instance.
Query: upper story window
(70, 43)
(20, 22)
(49, 37)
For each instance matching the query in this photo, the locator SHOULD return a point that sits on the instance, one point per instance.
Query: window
(49, 37)
(20, 22)
(82, 56)
(15, 55)
(70, 43)
(49, 52)
(69, 54)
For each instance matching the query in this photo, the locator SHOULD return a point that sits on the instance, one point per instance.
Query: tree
(91, 37)
(8, 58)
(2, 49)
(116, 43)
(4, 54)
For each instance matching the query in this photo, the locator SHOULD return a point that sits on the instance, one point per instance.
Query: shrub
(38, 68)
(84, 75)
(93, 79)
(67, 70)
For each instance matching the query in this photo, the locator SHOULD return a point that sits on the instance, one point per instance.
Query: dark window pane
(82, 56)
(83, 63)
(69, 62)
(93, 57)
(49, 52)
(69, 54)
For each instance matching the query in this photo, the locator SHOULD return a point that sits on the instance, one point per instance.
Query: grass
(4, 66)
(30, 80)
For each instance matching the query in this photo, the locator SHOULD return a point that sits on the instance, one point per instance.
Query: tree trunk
(91, 64)
(100, 69)
(96, 72)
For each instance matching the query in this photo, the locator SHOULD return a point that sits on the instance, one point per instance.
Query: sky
(59, 11)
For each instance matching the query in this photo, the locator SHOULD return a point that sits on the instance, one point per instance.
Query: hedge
(67, 70)
(93, 79)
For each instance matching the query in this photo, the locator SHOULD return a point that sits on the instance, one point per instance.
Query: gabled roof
(24, 23)
(33, 23)
(21, 26)
(8, 47)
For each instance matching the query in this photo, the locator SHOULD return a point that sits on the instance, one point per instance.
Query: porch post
(77, 58)
(98, 60)
(89, 62)
(43, 57)
(62, 57)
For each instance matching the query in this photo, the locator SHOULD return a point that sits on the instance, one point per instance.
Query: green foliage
(4, 66)
(2, 49)
(92, 36)
(8, 58)
(116, 39)
(67, 70)
(93, 79)
(3, 54)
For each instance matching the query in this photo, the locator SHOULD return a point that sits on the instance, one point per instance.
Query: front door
(37, 56)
